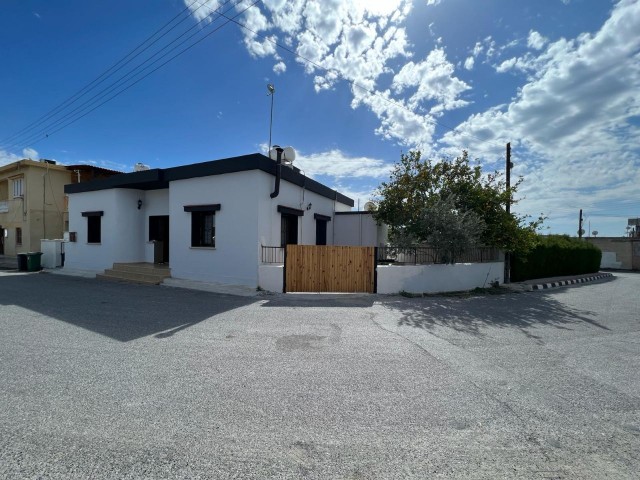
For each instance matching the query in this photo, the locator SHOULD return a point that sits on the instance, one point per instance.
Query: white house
(208, 221)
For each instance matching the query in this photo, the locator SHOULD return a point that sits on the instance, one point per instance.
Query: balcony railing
(429, 255)
(4, 207)
(272, 254)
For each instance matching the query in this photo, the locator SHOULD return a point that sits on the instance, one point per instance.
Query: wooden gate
(328, 268)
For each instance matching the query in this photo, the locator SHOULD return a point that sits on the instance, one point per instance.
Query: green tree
(420, 189)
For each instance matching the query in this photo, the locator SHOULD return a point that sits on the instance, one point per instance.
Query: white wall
(438, 278)
(122, 229)
(234, 260)
(270, 277)
(359, 229)
(292, 196)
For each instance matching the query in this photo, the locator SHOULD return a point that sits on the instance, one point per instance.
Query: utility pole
(507, 255)
(580, 226)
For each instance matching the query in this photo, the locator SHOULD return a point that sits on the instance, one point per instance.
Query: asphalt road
(107, 380)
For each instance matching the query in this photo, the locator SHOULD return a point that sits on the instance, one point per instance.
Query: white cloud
(468, 63)
(280, 67)
(30, 153)
(570, 123)
(338, 165)
(434, 79)
(536, 41)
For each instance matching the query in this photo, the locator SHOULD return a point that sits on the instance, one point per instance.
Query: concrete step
(136, 277)
(121, 278)
(149, 268)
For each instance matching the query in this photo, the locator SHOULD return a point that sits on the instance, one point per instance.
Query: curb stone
(562, 283)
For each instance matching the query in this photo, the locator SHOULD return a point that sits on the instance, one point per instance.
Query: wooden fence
(328, 268)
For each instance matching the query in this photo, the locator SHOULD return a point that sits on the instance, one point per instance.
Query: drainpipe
(276, 190)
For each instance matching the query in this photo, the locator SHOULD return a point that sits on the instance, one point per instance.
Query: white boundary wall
(438, 278)
(271, 277)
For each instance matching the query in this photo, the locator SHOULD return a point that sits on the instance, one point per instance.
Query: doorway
(159, 235)
(1, 240)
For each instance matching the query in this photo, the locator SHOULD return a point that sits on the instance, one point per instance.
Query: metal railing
(271, 254)
(430, 255)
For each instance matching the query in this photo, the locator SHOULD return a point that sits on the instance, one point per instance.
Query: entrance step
(144, 273)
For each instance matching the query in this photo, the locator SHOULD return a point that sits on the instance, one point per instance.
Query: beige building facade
(32, 204)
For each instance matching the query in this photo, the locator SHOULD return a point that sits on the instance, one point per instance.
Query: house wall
(122, 229)
(620, 247)
(292, 196)
(234, 260)
(359, 229)
(247, 218)
(438, 278)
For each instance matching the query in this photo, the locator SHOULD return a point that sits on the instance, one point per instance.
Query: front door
(1, 240)
(159, 234)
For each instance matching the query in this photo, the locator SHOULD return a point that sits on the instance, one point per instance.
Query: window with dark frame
(203, 229)
(18, 236)
(94, 229)
(203, 224)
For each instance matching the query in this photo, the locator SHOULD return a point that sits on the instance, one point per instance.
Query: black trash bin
(22, 262)
(33, 261)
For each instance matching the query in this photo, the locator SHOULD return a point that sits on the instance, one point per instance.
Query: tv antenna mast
(271, 92)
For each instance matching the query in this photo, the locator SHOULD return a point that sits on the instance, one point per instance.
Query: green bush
(556, 255)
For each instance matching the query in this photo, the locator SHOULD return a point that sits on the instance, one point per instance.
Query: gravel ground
(109, 380)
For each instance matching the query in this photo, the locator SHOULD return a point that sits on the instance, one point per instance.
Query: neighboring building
(618, 252)
(33, 204)
(208, 220)
(359, 229)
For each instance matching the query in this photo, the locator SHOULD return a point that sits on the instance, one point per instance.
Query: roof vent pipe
(276, 190)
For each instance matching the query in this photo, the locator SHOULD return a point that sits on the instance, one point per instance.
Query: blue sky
(559, 79)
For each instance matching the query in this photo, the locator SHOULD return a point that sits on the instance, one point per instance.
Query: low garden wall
(270, 277)
(438, 278)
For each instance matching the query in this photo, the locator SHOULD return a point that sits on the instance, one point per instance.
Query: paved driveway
(104, 380)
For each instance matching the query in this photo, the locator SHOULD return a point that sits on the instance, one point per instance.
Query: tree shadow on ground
(473, 314)
(121, 311)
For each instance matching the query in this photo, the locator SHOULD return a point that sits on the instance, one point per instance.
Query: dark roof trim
(290, 211)
(214, 207)
(324, 218)
(159, 178)
(354, 213)
(93, 214)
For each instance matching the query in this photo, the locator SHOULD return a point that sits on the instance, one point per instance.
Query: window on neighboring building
(18, 236)
(94, 226)
(203, 224)
(18, 187)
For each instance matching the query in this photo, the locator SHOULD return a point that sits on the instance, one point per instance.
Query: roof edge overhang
(159, 178)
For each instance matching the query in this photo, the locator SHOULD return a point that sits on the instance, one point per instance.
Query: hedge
(554, 256)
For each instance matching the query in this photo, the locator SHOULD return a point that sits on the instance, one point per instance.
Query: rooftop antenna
(271, 91)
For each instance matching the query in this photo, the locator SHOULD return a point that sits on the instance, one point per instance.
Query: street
(111, 380)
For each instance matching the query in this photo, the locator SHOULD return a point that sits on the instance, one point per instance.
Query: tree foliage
(414, 203)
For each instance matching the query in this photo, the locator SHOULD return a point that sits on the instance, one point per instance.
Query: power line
(151, 72)
(90, 105)
(103, 76)
(46, 130)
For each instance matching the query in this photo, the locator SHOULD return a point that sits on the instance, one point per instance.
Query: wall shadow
(120, 311)
(473, 314)
(319, 300)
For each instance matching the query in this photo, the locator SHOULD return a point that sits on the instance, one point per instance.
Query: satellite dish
(288, 154)
(140, 167)
(370, 207)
